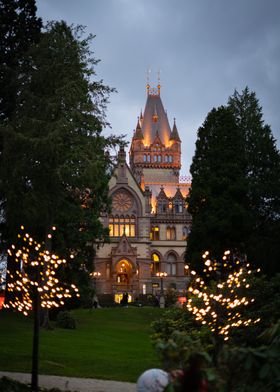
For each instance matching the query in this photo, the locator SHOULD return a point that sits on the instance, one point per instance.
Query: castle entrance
(124, 280)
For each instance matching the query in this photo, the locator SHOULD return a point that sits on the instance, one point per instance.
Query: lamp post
(161, 275)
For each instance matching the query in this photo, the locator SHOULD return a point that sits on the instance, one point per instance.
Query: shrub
(65, 320)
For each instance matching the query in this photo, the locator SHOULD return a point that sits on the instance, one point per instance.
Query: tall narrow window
(171, 233)
(171, 264)
(155, 265)
(154, 235)
(185, 232)
(159, 158)
(145, 158)
(148, 158)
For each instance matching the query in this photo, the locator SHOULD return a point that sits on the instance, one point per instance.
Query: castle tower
(154, 146)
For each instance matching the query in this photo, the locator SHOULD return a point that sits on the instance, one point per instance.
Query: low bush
(65, 320)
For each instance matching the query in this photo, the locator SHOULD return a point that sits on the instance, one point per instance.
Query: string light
(36, 273)
(221, 307)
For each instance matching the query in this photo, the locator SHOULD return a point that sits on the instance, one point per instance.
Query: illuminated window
(154, 235)
(119, 225)
(171, 233)
(155, 265)
(171, 264)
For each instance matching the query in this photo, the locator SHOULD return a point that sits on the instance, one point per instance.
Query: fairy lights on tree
(36, 274)
(221, 303)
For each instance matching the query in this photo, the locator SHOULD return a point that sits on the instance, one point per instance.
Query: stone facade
(149, 223)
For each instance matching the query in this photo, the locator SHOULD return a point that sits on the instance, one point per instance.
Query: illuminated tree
(220, 302)
(36, 285)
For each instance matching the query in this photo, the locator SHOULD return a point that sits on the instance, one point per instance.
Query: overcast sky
(204, 48)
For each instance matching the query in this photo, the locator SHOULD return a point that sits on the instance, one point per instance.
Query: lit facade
(149, 222)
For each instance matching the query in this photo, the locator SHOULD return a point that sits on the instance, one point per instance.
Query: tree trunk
(35, 353)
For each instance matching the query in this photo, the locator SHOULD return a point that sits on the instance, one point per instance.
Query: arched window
(171, 264)
(171, 233)
(155, 158)
(148, 158)
(155, 264)
(154, 235)
(166, 158)
(119, 225)
(145, 158)
(170, 158)
(159, 158)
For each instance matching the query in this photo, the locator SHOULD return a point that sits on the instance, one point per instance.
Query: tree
(220, 303)
(263, 173)
(19, 29)
(217, 200)
(55, 170)
(35, 284)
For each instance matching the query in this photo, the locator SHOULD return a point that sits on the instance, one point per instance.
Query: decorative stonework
(122, 201)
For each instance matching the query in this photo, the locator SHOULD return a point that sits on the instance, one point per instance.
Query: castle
(149, 222)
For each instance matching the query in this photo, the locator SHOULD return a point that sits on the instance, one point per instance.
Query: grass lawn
(109, 343)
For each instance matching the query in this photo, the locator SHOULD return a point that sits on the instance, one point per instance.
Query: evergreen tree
(217, 200)
(55, 171)
(263, 174)
(19, 29)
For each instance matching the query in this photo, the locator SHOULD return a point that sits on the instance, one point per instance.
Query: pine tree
(19, 30)
(263, 173)
(55, 170)
(217, 199)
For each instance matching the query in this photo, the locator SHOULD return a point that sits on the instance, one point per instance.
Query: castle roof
(155, 120)
(174, 134)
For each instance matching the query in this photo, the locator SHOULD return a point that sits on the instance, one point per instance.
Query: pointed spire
(174, 134)
(138, 132)
(155, 115)
(141, 118)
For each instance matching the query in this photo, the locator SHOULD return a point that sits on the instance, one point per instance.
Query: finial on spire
(148, 80)
(158, 86)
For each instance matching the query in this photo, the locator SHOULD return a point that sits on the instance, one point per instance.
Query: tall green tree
(55, 171)
(218, 199)
(263, 174)
(19, 29)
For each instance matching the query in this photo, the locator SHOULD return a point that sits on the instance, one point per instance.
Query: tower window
(145, 158)
(170, 159)
(166, 158)
(148, 158)
(155, 158)
(159, 158)
(119, 225)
